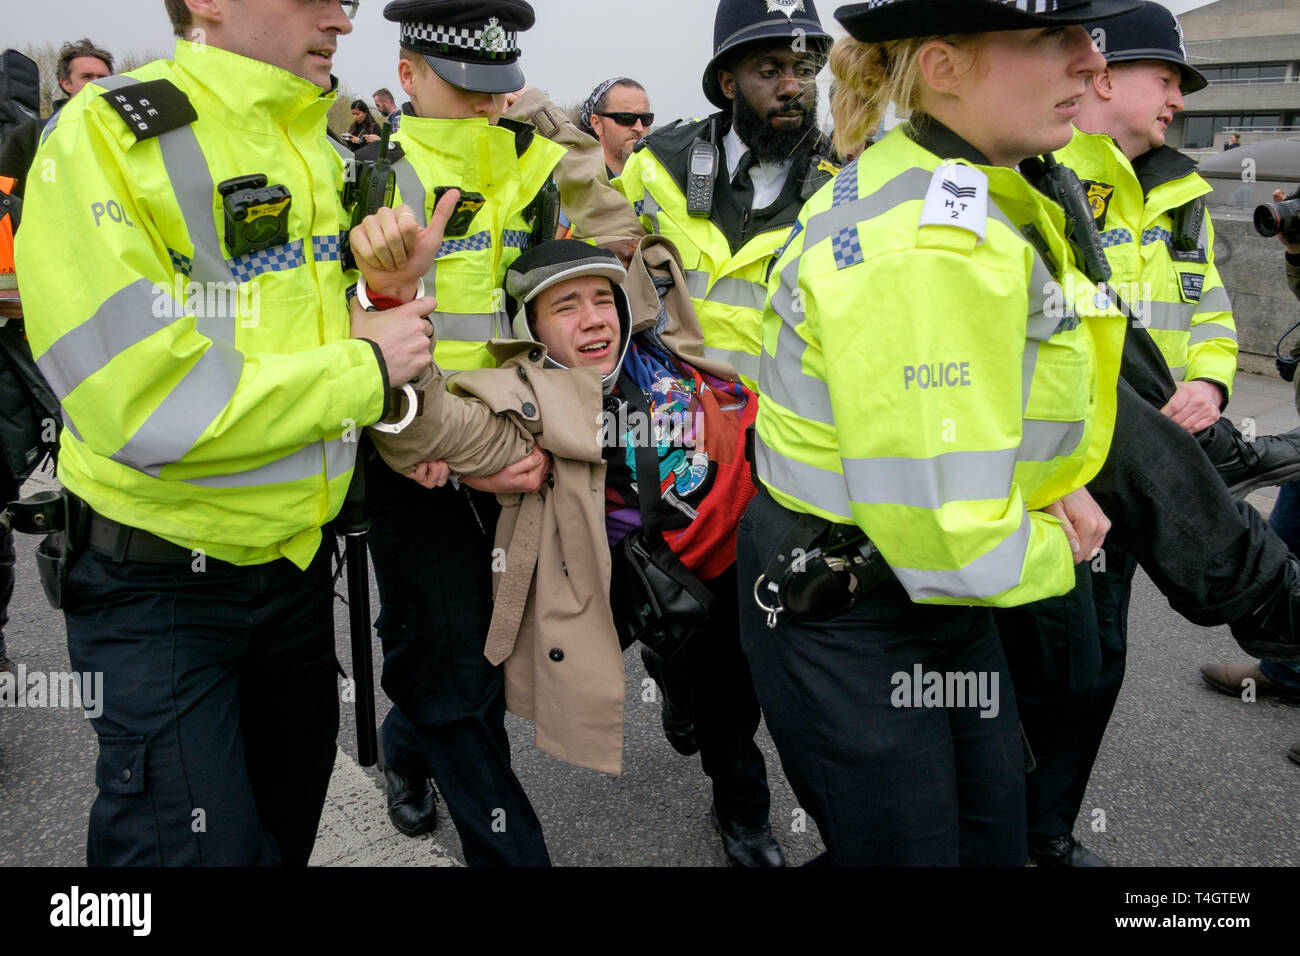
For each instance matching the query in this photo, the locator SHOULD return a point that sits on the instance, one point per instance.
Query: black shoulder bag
(655, 598)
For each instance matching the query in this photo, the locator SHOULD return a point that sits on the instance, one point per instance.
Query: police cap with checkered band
(472, 44)
(739, 23)
(879, 20)
(1148, 33)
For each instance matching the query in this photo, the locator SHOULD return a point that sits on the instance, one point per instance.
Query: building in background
(1249, 50)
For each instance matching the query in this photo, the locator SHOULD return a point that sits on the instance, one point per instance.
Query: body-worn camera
(1279, 218)
(257, 215)
(467, 208)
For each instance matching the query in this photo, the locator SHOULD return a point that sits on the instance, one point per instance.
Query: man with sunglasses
(196, 330)
(618, 114)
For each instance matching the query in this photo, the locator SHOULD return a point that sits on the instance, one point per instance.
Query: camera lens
(1267, 223)
(260, 230)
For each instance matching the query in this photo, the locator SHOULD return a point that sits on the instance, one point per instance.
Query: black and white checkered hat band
(499, 42)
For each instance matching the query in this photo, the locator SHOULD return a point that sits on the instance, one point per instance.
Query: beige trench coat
(551, 626)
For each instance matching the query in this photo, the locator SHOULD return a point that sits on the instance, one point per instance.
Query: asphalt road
(1186, 776)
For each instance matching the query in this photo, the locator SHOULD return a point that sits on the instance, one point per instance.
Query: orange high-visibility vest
(7, 184)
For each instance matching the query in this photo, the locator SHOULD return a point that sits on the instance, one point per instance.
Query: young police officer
(1147, 201)
(432, 548)
(208, 379)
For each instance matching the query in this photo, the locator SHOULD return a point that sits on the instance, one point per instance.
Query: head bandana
(589, 108)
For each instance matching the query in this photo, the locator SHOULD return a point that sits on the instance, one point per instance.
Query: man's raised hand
(394, 253)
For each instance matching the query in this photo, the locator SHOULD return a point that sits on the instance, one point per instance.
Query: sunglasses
(629, 119)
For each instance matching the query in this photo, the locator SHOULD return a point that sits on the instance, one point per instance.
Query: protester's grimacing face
(432, 97)
(619, 141)
(1146, 97)
(83, 70)
(577, 321)
(294, 35)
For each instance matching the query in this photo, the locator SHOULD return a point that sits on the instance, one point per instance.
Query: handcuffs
(412, 400)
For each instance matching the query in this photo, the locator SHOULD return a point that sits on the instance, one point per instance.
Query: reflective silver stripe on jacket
(781, 376)
(740, 293)
(1211, 330)
(907, 185)
(743, 362)
(176, 425)
(121, 321)
(306, 462)
(697, 283)
(410, 190)
(818, 487)
(930, 483)
(464, 327)
(992, 573)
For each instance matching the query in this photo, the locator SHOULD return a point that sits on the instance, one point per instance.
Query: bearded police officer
(195, 328)
(726, 190)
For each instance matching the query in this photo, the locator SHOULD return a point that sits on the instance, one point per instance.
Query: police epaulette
(152, 108)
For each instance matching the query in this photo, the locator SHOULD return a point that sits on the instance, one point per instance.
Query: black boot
(1247, 464)
(1270, 630)
(747, 846)
(412, 804)
(1062, 851)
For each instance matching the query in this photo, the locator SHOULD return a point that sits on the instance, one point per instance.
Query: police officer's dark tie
(742, 186)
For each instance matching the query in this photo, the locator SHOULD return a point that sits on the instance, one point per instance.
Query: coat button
(530, 410)
(556, 655)
(126, 775)
(535, 355)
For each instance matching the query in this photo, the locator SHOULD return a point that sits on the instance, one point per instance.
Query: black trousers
(1214, 558)
(220, 708)
(891, 778)
(432, 552)
(8, 492)
(1067, 657)
(710, 678)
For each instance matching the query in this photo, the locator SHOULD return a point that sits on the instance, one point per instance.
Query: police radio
(257, 215)
(701, 173)
(376, 183)
(1061, 184)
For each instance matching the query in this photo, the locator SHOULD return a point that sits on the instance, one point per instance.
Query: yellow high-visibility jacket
(1176, 293)
(728, 288)
(937, 372)
(508, 164)
(212, 400)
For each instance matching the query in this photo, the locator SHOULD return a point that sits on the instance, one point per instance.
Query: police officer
(1067, 656)
(727, 189)
(210, 374)
(432, 548)
(914, 386)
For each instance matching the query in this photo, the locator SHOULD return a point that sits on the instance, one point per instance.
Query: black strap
(647, 464)
(803, 535)
(650, 500)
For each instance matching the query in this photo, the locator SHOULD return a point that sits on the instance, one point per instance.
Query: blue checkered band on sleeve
(280, 258)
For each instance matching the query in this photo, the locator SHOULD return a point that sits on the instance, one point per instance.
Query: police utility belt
(819, 571)
(71, 527)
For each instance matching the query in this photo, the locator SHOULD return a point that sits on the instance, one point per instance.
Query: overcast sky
(576, 44)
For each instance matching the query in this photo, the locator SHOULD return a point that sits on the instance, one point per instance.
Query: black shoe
(1062, 851)
(679, 730)
(747, 846)
(1270, 630)
(412, 804)
(1267, 460)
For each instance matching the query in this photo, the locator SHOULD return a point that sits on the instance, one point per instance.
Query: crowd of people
(795, 415)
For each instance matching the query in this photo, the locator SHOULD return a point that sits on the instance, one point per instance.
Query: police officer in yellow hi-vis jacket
(938, 373)
(1067, 656)
(194, 326)
(433, 547)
